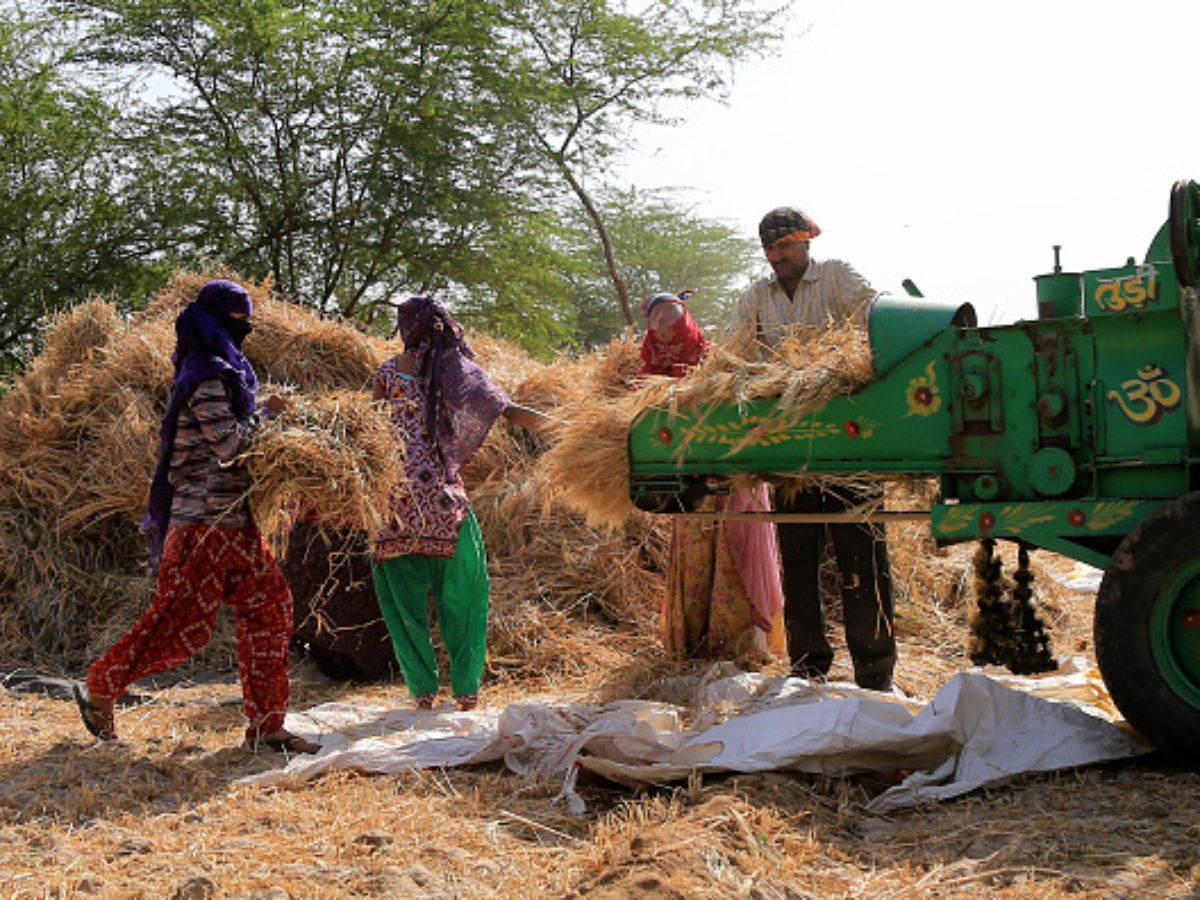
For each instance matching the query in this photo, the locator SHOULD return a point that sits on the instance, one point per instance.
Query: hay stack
(79, 435)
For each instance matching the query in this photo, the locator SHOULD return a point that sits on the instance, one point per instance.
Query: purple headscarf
(461, 401)
(208, 344)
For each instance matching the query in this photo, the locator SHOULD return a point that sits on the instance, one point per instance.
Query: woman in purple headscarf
(200, 535)
(442, 406)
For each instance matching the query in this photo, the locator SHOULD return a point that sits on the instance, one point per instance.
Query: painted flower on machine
(922, 395)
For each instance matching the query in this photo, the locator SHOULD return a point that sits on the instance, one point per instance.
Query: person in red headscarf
(724, 599)
(674, 342)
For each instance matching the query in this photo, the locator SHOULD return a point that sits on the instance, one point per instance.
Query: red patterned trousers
(202, 567)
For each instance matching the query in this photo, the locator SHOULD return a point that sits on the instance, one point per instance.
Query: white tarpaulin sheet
(979, 730)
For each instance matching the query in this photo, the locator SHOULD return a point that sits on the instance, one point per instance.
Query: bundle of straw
(332, 457)
(588, 465)
(75, 334)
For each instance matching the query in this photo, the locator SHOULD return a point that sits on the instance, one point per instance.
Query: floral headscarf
(462, 403)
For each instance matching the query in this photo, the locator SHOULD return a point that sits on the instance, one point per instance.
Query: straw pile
(560, 583)
(575, 584)
(79, 435)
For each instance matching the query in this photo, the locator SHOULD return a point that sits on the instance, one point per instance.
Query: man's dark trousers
(862, 559)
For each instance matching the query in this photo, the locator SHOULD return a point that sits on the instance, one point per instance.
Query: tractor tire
(1147, 629)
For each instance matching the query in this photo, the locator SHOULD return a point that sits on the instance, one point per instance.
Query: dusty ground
(158, 814)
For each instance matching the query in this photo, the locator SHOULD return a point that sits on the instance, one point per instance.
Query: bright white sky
(954, 142)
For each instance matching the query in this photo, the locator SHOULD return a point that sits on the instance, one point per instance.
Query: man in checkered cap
(822, 294)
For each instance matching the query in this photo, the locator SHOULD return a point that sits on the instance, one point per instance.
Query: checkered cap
(786, 222)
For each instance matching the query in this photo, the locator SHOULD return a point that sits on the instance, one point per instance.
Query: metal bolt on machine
(1078, 432)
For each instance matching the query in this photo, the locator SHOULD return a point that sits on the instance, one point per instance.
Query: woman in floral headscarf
(442, 406)
(724, 599)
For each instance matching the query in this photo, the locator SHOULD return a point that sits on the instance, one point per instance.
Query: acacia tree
(74, 217)
(347, 148)
(596, 68)
(664, 246)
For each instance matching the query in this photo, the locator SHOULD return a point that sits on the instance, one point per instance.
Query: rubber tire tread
(1140, 569)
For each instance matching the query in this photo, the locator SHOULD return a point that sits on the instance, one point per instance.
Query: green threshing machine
(1078, 433)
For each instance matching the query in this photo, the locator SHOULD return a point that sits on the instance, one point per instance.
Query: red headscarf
(674, 350)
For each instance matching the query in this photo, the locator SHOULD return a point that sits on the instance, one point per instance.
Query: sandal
(282, 742)
(425, 701)
(95, 719)
(467, 702)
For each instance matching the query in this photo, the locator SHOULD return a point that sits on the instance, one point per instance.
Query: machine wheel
(1184, 228)
(1147, 628)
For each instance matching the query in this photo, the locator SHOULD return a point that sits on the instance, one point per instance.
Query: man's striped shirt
(830, 293)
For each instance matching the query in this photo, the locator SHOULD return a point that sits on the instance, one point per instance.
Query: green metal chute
(899, 325)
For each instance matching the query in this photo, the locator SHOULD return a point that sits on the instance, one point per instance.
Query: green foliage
(74, 219)
(664, 247)
(347, 149)
(359, 151)
(517, 286)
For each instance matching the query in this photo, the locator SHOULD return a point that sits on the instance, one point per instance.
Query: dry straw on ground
(159, 814)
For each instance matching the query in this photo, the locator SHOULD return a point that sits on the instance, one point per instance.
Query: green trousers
(460, 593)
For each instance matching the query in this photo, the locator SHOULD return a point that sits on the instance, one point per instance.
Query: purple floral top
(426, 517)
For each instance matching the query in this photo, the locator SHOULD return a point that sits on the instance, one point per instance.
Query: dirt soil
(158, 814)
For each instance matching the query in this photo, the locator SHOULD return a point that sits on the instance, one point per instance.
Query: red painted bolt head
(987, 522)
(923, 395)
(1191, 619)
(852, 428)
(1076, 518)
(665, 435)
